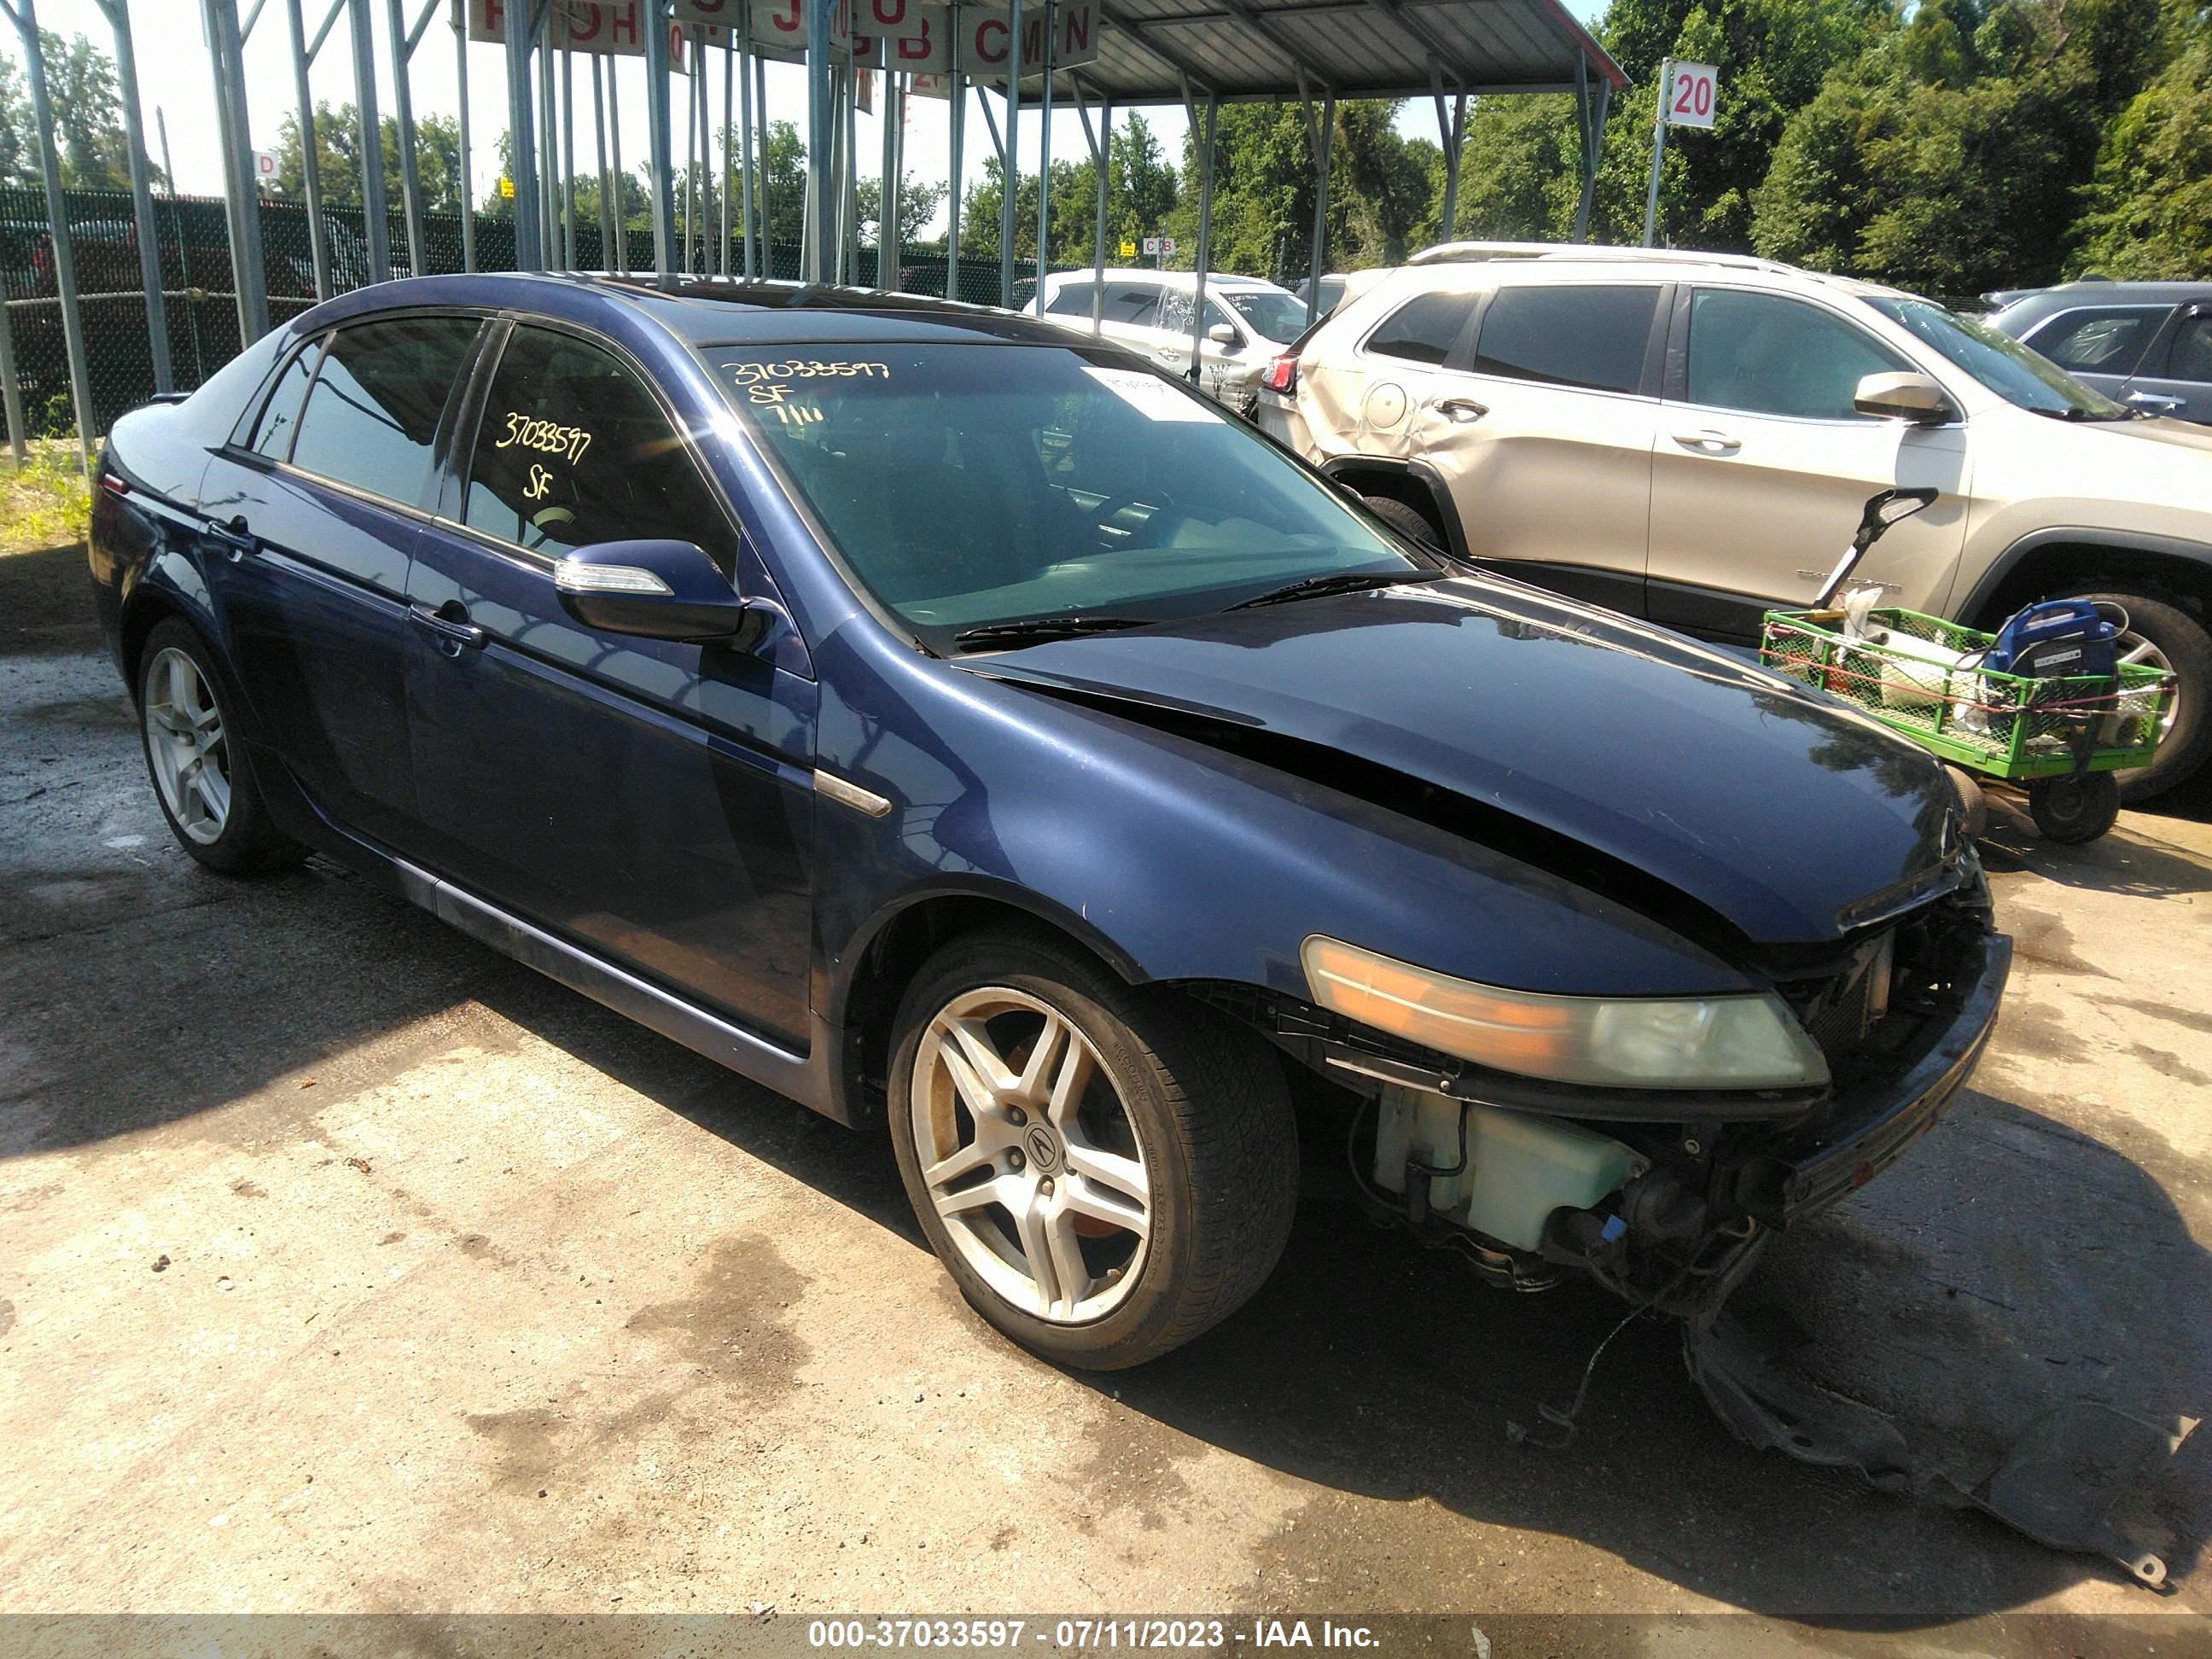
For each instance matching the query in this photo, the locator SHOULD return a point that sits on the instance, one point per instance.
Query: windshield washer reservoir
(1519, 1168)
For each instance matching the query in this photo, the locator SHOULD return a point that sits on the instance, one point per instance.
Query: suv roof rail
(1475, 252)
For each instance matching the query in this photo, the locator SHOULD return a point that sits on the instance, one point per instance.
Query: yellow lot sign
(506, 188)
(1128, 250)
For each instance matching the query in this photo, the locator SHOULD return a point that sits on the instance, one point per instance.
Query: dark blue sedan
(953, 725)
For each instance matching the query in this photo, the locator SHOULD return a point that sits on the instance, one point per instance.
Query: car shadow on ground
(1375, 1370)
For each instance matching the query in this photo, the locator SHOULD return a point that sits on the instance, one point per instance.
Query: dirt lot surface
(345, 1265)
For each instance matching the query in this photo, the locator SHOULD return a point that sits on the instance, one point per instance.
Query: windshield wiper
(1032, 630)
(1343, 582)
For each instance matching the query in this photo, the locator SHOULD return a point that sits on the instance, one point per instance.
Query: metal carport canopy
(1163, 52)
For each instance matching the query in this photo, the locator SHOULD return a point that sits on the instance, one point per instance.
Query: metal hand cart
(2061, 737)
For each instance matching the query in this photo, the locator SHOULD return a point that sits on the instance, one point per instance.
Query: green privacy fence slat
(201, 300)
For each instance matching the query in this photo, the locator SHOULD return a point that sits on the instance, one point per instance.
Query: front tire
(1106, 1172)
(2162, 636)
(201, 775)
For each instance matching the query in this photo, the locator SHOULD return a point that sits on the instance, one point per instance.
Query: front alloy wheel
(1105, 1170)
(1030, 1160)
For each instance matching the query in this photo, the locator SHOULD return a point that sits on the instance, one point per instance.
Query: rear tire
(203, 777)
(1160, 1194)
(1408, 522)
(2072, 811)
(2181, 640)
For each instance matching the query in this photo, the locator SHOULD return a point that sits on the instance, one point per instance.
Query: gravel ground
(346, 1266)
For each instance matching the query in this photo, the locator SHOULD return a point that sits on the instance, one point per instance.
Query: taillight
(1282, 374)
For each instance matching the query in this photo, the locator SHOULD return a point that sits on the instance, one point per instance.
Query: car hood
(1640, 763)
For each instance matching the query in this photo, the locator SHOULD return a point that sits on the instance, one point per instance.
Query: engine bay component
(1498, 1173)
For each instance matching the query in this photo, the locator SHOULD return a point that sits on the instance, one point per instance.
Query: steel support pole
(1010, 177)
(849, 182)
(1591, 109)
(1658, 148)
(142, 193)
(760, 154)
(606, 184)
(549, 151)
(240, 205)
(311, 162)
(522, 138)
(1044, 165)
(818, 257)
(376, 221)
(887, 195)
(615, 167)
(42, 115)
(691, 159)
(467, 184)
(702, 95)
(402, 112)
(726, 176)
(1101, 158)
(569, 158)
(1323, 138)
(12, 395)
(957, 135)
(659, 139)
(745, 140)
(1451, 132)
(1204, 243)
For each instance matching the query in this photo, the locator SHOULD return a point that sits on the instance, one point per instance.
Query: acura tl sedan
(964, 729)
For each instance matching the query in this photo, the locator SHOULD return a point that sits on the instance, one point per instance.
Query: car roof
(1554, 259)
(1214, 279)
(2045, 302)
(706, 311)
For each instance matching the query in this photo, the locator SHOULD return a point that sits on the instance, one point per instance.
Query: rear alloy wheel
(2161, 636)
(201, 775)
(1104, 1172)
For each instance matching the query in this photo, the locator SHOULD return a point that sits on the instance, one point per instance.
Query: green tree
(2149, 202)
(917, 205)
(87, 104)
(337, 159)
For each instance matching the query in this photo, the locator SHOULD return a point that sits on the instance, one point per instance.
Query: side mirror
(1225, 336)
(658, 590)
(1913, 398)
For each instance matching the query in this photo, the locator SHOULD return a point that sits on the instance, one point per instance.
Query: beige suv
(1690, 437)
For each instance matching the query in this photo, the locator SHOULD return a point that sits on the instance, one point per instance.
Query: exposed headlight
(1749, 1041)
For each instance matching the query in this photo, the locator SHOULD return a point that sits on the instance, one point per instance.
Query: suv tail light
(1282, 374)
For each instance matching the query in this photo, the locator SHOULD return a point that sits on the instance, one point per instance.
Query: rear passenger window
(1425, 330)
(1133, 302)
(280, 415)
(2191, 358)
(1073, 300)
(1592, 337)
(2105, 340)
(374, 408)
(574, 449)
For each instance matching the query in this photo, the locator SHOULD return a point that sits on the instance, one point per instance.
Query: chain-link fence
(200, 296)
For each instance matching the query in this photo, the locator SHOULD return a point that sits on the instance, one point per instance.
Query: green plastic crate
(2009, 726)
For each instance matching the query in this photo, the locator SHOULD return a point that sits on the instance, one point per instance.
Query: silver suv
(1689, 437)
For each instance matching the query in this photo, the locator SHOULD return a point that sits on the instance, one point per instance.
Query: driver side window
(574, 449)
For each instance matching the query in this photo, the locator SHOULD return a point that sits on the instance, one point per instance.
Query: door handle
(234, 538)
(1709, 443)
(1462, 411)
(454, 633)
(2153, 402)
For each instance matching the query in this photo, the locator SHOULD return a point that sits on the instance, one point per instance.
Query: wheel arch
(883, 959)
(1416, 484)
(2066, 557)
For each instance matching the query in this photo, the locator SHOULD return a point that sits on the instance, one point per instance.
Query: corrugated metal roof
(1155, 51)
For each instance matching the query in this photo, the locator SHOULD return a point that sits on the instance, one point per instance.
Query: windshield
(2006, 366)
(967, 486)
(1278, 316)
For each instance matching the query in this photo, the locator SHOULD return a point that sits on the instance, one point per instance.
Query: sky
(174, 78)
